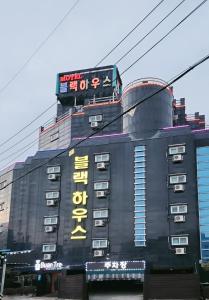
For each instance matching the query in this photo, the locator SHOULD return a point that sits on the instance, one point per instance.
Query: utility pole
(4, 265)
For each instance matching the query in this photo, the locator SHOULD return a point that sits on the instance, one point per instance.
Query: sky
(86, 35)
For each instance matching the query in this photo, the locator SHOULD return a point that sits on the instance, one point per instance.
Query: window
(102, 213)
(179, 240)
(50, 220)
(49, 248)
(54, 136)
(102, 157)
(53, 170)
(96, 244)
(2, 206)
(175, 179)
(97, 118)
(52, 195)
(101, 185)
(178, 209)
(177, 149)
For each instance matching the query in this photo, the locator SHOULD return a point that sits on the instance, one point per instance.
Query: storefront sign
(79, 197)
(115, 266)
(41, 265)
(98, 82)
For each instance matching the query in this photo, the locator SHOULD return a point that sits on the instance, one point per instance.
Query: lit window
(54, 136)
(175, 179)
(179, 240)
(96, 244)
(102, 213)
(50, 220)
(102, 157)
(101, 185)
(49, 248)
(52, 195)
(53, 170)
(177, 149)
(178, 209)
(97, 118)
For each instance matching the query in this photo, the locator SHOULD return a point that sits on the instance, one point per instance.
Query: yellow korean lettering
(79, 197)
(80, 177)
(79, 214)
(79, 229)
(81, 162)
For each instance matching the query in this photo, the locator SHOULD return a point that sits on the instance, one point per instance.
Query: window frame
(177, 176)
(100, 216)
(53, 169)
(102, 159)
(93, 118)
(102, 188)
(177, 146)
(52, 197)
(51, 218)
(99, 246)
(47, 251)
(178, 208)
(54, 136)
(179, 237)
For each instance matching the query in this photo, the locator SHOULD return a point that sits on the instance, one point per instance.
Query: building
(126, 208)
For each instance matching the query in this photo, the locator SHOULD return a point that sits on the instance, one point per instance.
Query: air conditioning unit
(49, 228)
(101, 166)
(50, 202)
(52, 176)
(178, 188)
(180, 251)
(47, 256)
(100, 194)
(98, 253)
(179, 218)
(94, 125)
(177, 158)
(98, 223)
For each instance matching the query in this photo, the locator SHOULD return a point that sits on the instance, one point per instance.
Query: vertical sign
(79, 197)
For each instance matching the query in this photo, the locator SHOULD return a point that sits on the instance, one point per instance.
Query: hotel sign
(89, 83)
(79, 197)
(112, 266)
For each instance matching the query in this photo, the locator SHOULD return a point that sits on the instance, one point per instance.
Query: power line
(140, 101)
(176, 26)
(146, 35)
(42, 44)
(167, 34)
(39, 47)
(129, 33)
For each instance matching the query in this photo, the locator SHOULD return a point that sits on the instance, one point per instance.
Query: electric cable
(129, 33)
(176, 26)
(140, 101)
(69, 11)
(39, 47)
(166, 35)
(146, 35)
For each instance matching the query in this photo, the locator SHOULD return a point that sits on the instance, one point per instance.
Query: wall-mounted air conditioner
(47, 256)
(178, 188)
(49, 228)
(179, 218)
(180, 251)
(177, 158)
(101, 166)
(99, 223)
(94, 125)
(50, 202)
(98, 253)
(52, 176)
(100, 194)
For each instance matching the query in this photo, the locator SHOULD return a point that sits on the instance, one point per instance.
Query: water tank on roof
(150, 115)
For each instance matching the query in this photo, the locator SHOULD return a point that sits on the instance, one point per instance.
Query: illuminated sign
(88, 84)
(41, 265)
(112, 266)
(79, 197)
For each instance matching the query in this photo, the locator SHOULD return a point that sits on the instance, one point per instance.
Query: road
(92, 297)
